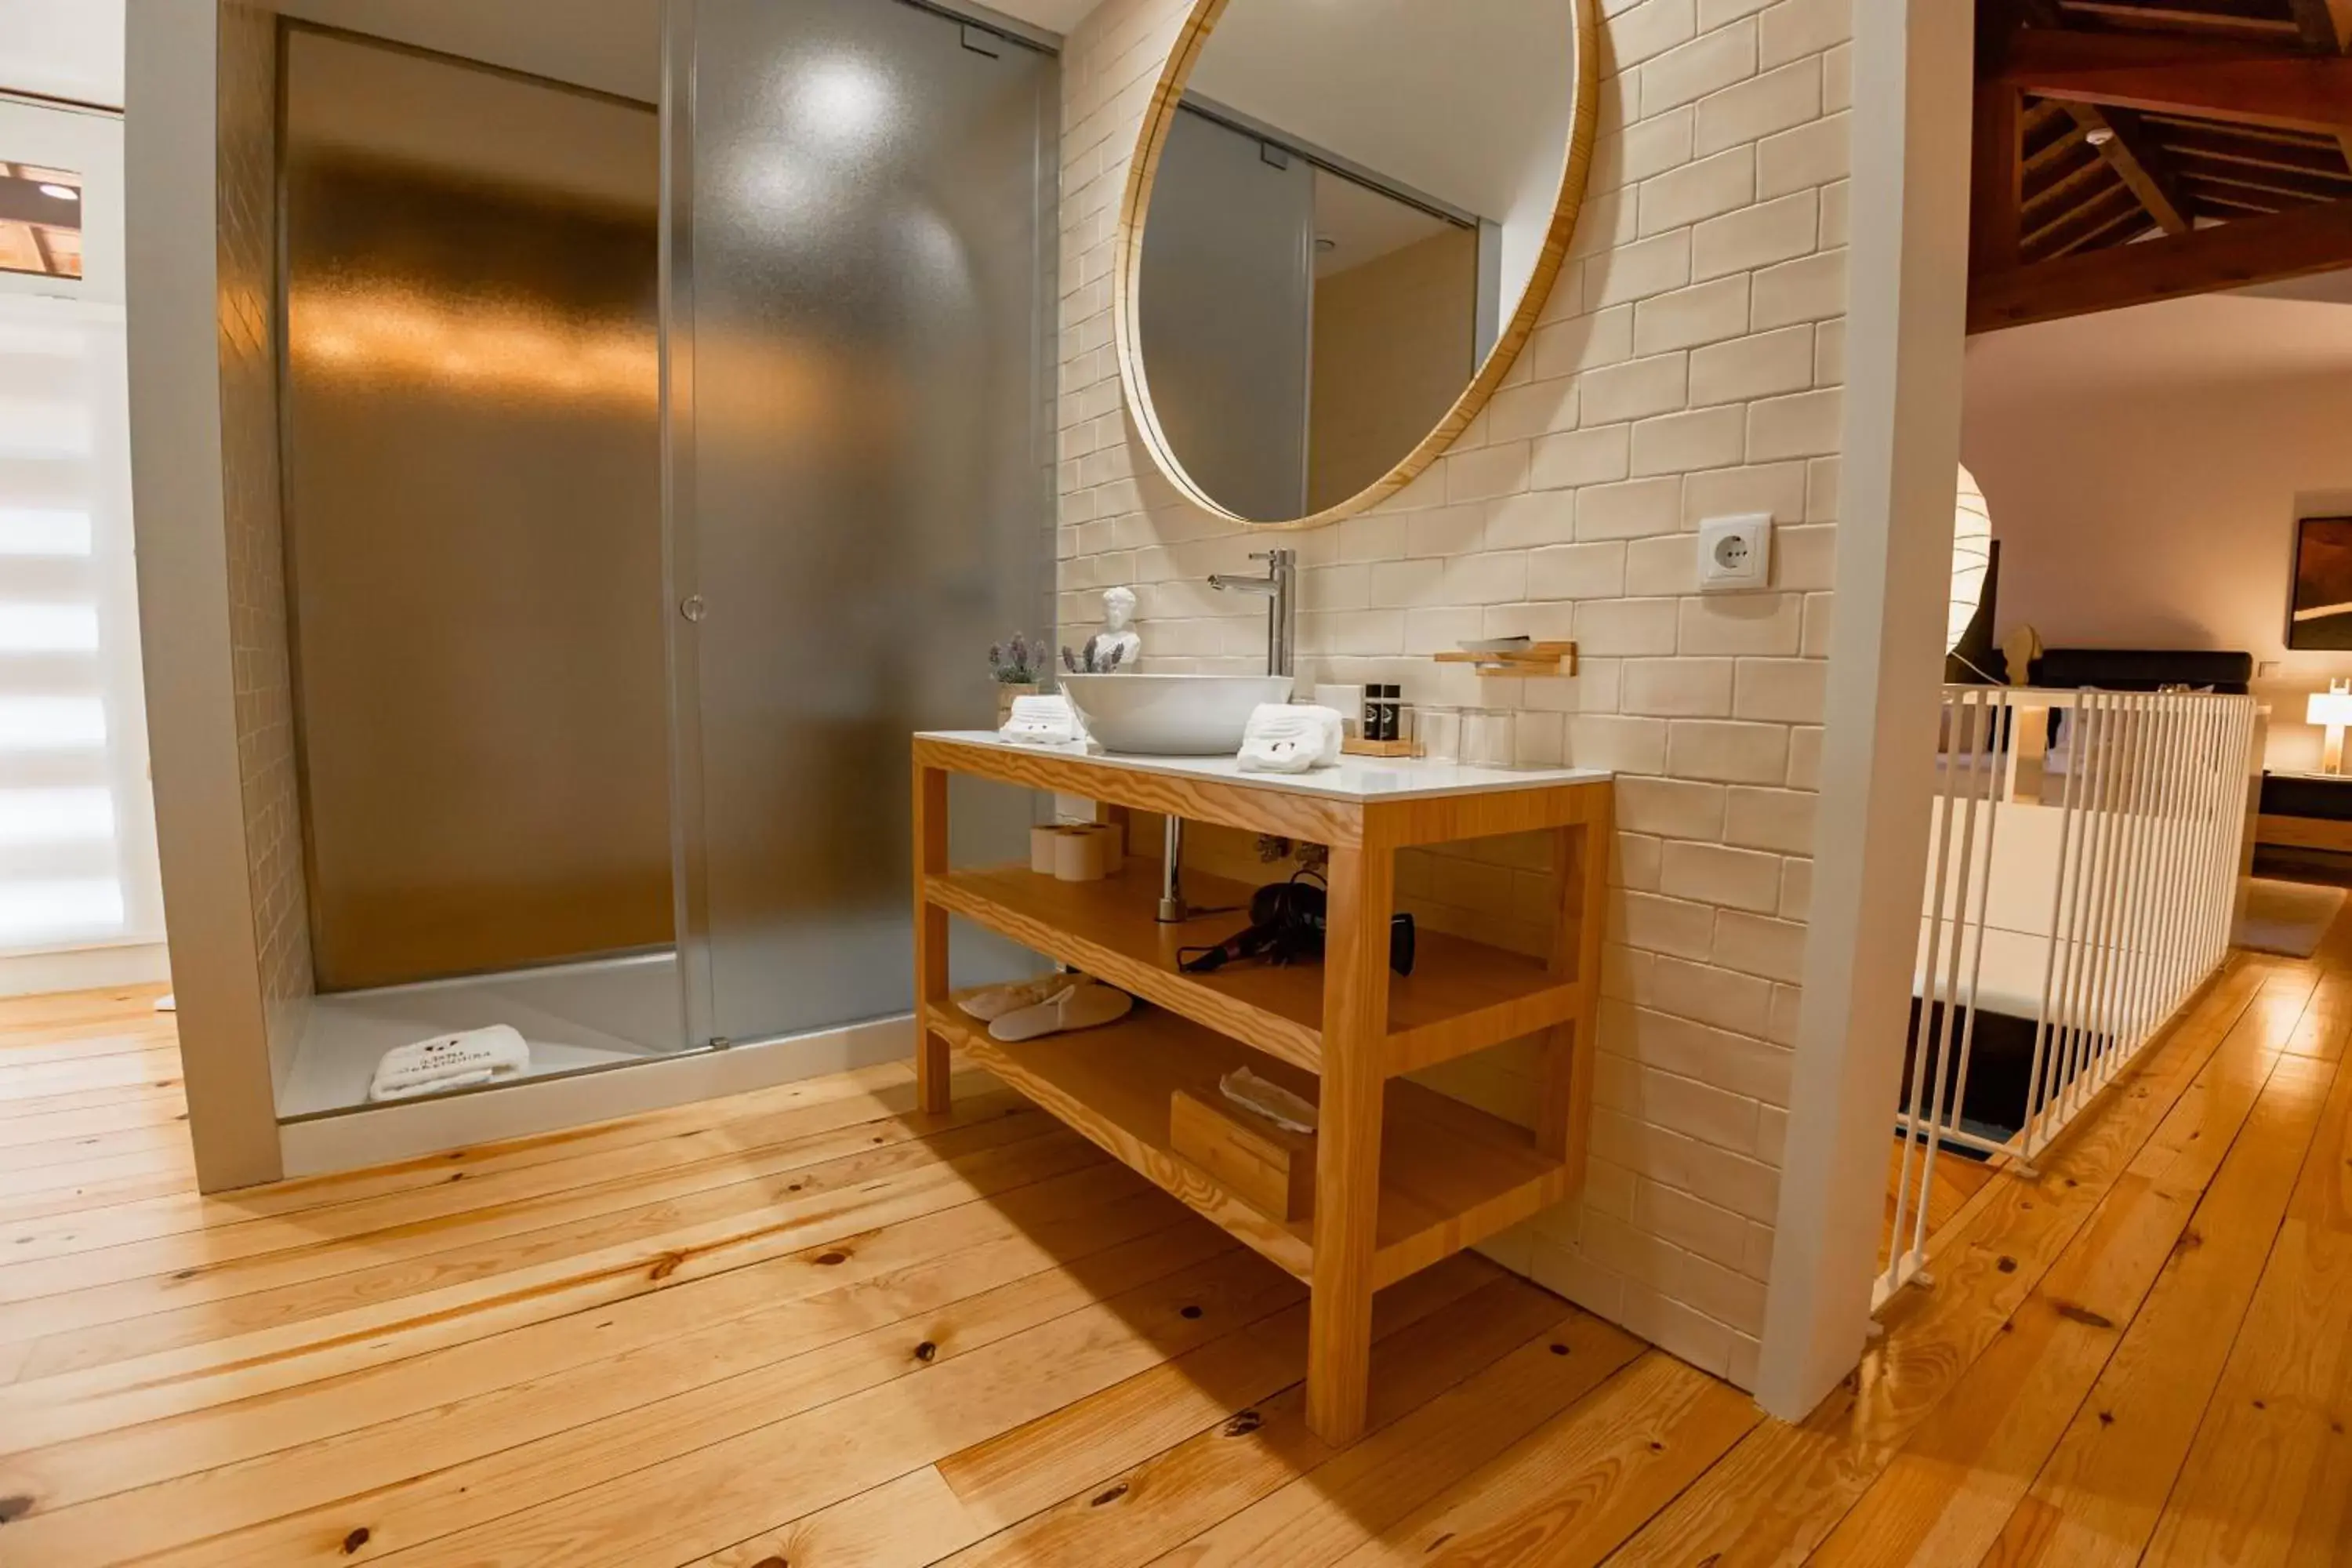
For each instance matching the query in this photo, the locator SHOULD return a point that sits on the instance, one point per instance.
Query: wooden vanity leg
(1348, 1139)
(931, 1070)
(1580, 889)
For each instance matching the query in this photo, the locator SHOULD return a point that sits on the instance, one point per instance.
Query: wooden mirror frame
(1135, 207)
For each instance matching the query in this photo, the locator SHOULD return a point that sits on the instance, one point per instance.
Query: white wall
(63, 49)
(1689, 363)
(2144, 470)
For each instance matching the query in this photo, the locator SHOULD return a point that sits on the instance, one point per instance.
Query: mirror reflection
(1350, 209)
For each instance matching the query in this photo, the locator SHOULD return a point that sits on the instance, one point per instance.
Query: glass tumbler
(1441, 733)
(1490, 737)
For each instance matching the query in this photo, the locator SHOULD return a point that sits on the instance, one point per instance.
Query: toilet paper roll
(1042, 842)
(1078, 855)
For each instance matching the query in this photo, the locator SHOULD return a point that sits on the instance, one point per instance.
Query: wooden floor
(805, 1327)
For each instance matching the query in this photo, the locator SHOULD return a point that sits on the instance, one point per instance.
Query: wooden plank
(1094, 1517)
(1348, 1139)
(2097, 1499)
(1278, 1495)
(2122, 139)
(389, 1217)
(244, 1415)
(81, 1331)
(590, 1151)
(1950, 1493)
(1463, 996)
(1315, 819)
(2249, 84)
(2324, 26)
(1450, 1175)
(1568, 1495)
(2314, 238)
(930, 860)
(2303, 832)
(1779, 1493)
(2265, 1479)
(525, 1289)
(824, 1335)
(707, 1470)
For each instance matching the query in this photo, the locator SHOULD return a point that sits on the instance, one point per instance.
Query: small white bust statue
(1118, 635)
(1118, 645)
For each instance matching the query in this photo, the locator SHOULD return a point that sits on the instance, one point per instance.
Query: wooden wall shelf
(1403, 1176)
(1540, 658)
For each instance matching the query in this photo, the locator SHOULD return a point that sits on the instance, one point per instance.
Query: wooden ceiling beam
(2292, 244)
(2301, 158)
(2124, 142)
(1996, 197)
(2244, 83)
(2325, 26)
(2215, 24)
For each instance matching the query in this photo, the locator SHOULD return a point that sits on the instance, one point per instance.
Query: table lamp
(2332, 708)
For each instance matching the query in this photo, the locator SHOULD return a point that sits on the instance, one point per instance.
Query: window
(77, 815)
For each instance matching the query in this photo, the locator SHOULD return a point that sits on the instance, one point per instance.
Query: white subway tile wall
(1689, 365)
(257, 555)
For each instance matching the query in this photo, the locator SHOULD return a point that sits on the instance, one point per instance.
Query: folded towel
(1290, 738)
(451, 1061)
(1043, 720)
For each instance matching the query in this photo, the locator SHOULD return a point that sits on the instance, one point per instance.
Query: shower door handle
(692, 607)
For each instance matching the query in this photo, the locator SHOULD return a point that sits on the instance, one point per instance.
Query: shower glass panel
(860, 286)
(473, 508)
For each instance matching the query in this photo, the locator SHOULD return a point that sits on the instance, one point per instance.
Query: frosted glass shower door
(860, 285)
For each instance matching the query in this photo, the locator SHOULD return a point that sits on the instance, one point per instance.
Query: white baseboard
(84, 969)
(383, 1133)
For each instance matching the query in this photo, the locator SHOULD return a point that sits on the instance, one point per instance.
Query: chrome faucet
(1280, 586)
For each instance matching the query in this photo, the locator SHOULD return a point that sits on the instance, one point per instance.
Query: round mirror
(1340, 225)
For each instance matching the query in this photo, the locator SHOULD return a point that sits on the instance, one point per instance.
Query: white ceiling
(2204, 340)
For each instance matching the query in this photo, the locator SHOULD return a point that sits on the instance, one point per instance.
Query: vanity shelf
(1403, 1176)
(1451, 1175)
(1462, 996)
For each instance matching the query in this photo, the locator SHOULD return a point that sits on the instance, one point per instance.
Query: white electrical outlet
(1735, 554)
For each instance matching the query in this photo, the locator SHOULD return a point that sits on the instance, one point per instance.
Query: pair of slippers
(1052, 1005)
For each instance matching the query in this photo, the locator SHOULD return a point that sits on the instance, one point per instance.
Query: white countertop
(1355, 779)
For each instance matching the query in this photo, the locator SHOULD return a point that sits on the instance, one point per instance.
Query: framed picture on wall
(2321, 614)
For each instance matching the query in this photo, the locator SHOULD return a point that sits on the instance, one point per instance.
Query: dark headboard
(2141, 669)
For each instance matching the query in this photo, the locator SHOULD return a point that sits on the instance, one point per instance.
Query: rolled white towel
(451, 1061)
(1290, 738)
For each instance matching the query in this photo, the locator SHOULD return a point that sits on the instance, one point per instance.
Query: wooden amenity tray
(1404, 1176)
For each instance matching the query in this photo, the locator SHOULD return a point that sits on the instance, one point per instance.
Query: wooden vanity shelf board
(1403, 1176)
(1450, 1174)
(1462, 996)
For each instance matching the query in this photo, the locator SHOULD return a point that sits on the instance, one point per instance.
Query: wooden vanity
(1403, 1176)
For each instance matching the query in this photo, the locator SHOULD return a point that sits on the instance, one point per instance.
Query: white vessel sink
(1170, 715)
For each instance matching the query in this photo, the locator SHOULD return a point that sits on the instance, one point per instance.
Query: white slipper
(1086, 1005)
(998, 1000)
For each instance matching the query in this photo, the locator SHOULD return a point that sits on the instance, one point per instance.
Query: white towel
(451, 1061)
(1043, 720)
(1290, 738)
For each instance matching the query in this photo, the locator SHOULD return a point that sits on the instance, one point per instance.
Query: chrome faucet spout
(1278, 587)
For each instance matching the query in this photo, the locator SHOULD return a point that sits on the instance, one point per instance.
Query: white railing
(2081, 886)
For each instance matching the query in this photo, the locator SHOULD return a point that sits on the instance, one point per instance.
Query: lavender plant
(1019, 662)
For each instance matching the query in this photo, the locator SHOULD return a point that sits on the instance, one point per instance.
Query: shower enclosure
(651, 469)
